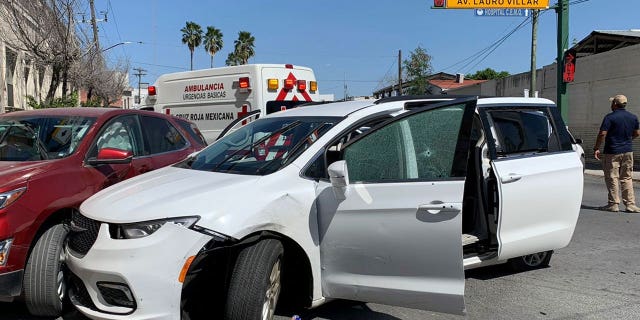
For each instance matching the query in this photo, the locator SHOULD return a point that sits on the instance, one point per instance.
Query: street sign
(496, 4)
(502, 12)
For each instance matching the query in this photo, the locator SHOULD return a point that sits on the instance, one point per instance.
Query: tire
(531, 261)
(255, 282)
(45, 290)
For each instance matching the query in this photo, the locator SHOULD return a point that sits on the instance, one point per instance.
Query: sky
(350, 42)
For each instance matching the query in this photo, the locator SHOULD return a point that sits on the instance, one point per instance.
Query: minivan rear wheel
(45, 290)
(255, 282)
(531, 261)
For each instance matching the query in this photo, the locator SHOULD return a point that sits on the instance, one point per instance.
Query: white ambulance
(214, 98)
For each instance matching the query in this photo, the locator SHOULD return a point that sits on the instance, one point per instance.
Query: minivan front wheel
(531, 261)
(256, 282)
(45, 291)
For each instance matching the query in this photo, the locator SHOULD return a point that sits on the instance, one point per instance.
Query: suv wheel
(531, 261)
(45, 291)
(255, 282)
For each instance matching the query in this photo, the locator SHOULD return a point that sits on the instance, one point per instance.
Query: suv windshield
(261, 147)
(41, 138)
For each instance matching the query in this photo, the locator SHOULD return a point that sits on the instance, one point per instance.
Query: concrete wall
(597, 78)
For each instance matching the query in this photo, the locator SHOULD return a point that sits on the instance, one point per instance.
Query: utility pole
(94, 25)
(562, 9)
(346, 94)
(534, 46)
(399, 72)
(140, 72)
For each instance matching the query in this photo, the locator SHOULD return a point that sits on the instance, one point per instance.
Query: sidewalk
(600, 173)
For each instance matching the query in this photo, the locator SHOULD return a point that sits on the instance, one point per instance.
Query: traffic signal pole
(562, 97)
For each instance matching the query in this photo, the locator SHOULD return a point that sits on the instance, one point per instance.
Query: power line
(160, 65)
(475, 54)
(115, 22)
(385, 74)
(498, 44)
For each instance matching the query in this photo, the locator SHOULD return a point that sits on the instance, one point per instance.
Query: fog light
(117, 294)
(5, 246)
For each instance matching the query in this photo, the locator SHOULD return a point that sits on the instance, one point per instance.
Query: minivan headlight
(142, 229)
(9, 197)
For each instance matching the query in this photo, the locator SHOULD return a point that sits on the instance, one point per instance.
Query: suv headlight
(145, 228)
(10, 197)
(5, 246)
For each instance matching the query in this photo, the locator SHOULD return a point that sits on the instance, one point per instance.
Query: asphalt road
(596, 277)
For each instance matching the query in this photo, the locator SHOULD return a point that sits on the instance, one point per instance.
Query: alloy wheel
(273, 291)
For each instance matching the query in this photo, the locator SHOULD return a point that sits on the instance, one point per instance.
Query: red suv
(50, 161)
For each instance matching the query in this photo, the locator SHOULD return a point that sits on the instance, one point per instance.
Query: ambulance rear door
(287, 86)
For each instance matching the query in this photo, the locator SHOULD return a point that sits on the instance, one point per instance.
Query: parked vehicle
(53, 159)
(386, 202)
(213, 98)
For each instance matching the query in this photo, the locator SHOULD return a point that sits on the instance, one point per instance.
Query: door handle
(512, 177)
(436, 207)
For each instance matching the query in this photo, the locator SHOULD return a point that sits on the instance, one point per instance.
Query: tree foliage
(417, 69)
(192, 37)
(70, 100)
(44, 30)
(213, 41)
(244, 48)
(488, 74)
(233, 59)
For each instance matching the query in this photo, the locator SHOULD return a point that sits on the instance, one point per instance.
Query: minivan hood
(14, 172)
(164, 193)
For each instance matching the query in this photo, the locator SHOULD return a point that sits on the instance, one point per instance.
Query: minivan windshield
(35, 138)
(262, 146)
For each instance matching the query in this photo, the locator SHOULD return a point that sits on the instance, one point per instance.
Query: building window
(9, 72)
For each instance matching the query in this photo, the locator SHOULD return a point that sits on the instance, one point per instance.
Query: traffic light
(569, 69)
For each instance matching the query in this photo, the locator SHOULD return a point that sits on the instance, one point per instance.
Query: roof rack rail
(422, 97)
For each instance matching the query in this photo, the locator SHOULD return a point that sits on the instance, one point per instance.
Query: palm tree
(192, 37)
(213, 41)
(232, 59)
(244, 47)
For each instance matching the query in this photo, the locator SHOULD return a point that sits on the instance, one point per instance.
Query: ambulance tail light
(302, 85)
(151, 90)
(272, 84)
(288, 66)
(289, 83)
(313, 86)
(244, 85)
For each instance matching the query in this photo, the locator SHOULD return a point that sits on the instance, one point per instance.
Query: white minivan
(385, 202)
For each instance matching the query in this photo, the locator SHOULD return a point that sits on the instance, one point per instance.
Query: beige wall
(23, 83)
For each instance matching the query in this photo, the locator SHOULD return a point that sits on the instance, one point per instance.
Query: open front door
(393, 236)
(539, 180)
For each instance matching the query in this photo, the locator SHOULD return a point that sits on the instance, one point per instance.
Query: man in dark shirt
(618, 130)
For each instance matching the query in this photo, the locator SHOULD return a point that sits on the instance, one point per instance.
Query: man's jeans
(618, 168)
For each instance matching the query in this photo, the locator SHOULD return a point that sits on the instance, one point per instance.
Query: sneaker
(633, 208)
(613, 208)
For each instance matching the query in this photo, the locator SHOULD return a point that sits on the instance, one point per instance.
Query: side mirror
(578, 141)
(339, 177)
(111, 156)
(338, 174)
